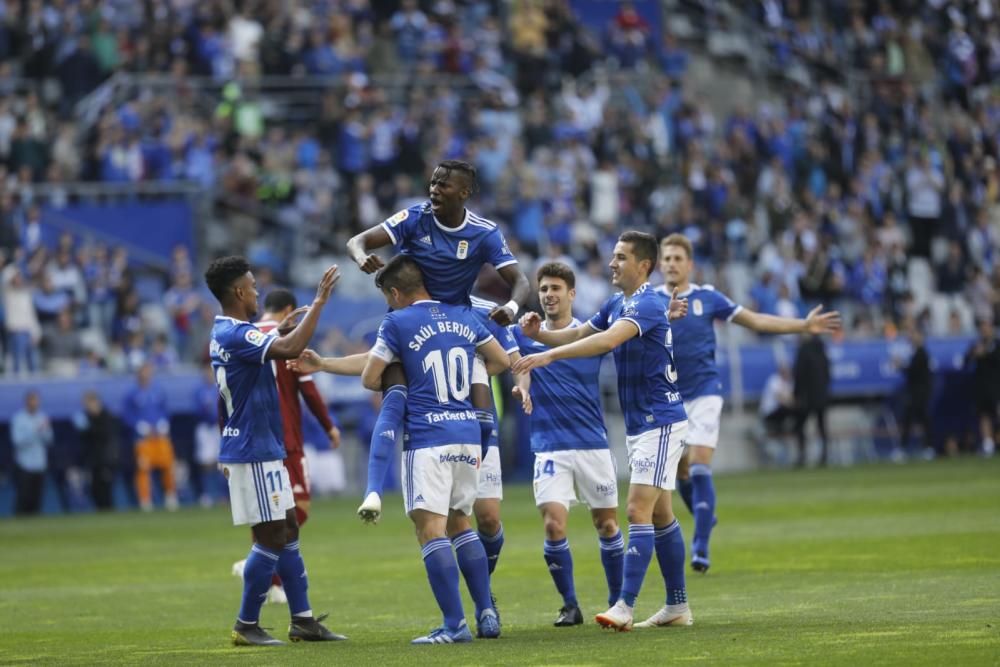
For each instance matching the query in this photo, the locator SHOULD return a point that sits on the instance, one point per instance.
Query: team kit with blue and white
(448, 460)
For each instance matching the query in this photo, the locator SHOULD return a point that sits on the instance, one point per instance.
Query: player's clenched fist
(326, 284)
(369, 263)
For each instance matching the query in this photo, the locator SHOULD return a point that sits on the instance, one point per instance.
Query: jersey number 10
(451, 374)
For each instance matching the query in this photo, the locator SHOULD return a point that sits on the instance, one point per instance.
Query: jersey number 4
(451, 374)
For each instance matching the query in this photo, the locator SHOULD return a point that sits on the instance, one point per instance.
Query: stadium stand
(835, 152)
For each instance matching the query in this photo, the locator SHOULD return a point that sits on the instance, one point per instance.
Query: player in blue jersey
(698, 376)
(437, 343)
(570, 445)
(253, 450)
(635, 324)
(450, 244)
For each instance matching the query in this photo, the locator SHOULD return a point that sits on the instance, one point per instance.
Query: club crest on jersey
(398, 218)
(697, 308)
(463, 250)
(255, 337)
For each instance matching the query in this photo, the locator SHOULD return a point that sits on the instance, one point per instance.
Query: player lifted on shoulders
(252, 449)
(450, 244)
(698, 376)
(437, 344)
(634, 323)
(279, 305)
(570, 444)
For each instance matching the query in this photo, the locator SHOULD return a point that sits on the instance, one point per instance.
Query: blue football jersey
(647, 380)
(450, 259)
(694, 340)
(436, 343)
(566, 396)
(253, 430)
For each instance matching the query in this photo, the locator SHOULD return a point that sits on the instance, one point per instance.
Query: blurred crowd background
(837, 152)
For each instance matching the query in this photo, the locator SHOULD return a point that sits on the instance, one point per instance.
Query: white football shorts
(258, 492)
(479, 374)
(653, 455)
(490, 475)
(438, 479)
(590, 471)
(704, 416)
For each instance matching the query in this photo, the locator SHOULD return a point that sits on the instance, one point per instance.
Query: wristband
(512, 305)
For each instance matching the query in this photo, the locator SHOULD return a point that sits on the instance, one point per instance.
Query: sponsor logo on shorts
(491, 478)
(645, 465)
(418, 499)
(459, 458)
(606, 489)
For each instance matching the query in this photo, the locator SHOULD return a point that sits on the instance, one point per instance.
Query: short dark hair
(556, 270)
(643, 247)
(465, 168)
(223, 272)
(401, 272)
(280, 299)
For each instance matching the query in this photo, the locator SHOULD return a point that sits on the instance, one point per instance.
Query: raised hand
(531, 324)
(327, 283)
(524, 397)
(818, 322)
(678, 307)
(291, 320)
(308, 362)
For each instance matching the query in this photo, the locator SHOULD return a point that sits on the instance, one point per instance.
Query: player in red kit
(278, 305)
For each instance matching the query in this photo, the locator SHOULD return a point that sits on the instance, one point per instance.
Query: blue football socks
(703, 497)
(670, 556)
(637, 557)
(613, 560)
(442, 573)
(475, 568)
(387, 425)
(560, 562)
(260, 566)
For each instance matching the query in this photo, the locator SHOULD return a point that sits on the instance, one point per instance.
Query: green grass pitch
(873, 565)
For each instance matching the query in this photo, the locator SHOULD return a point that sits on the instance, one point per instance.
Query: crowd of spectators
(875, 189)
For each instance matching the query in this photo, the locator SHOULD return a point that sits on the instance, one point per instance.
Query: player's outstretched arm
(817, 322)
(593, 345)
(361, 245)
(531, 326)
(310, 362)
(497, 361)
(520, 292)
(371, 376)
(292, 345)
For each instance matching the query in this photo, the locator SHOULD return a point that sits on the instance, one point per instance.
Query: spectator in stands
(99, 431)
(207, 438)
(924, 194)
(777, 402)
(31, 435)
(23, 329)
(146, 412)
(62, 347)
(952, 273)
(918, 383)
(984, 359)
(812, 393)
